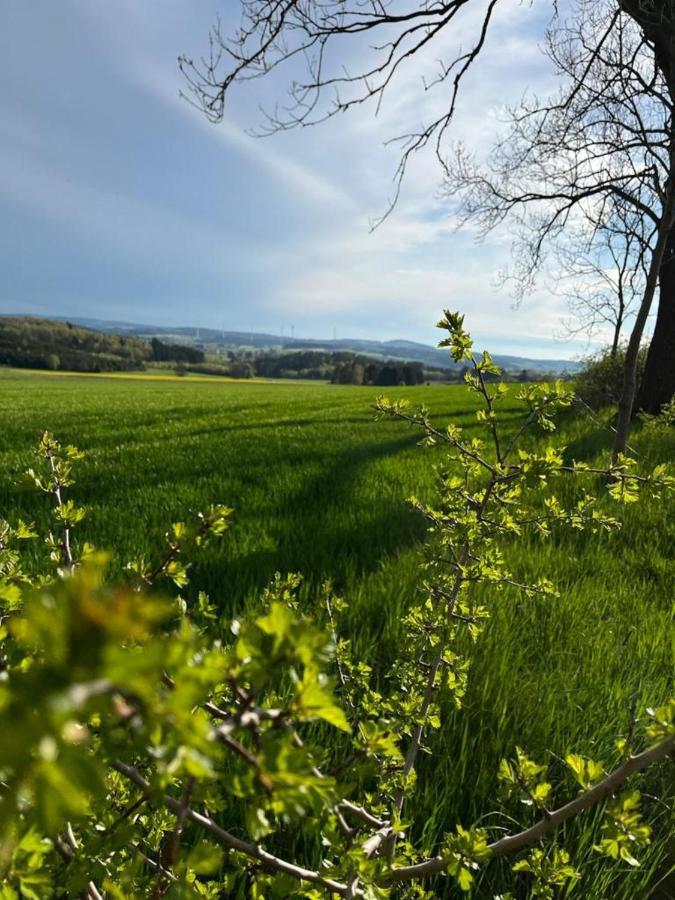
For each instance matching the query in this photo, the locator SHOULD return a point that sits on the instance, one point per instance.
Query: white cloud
(315, 257)
(157, 74)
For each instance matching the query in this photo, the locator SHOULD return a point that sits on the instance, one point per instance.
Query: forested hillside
(34, 343)
(45, 344)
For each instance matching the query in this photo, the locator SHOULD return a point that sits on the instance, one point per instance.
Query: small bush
(599, 383)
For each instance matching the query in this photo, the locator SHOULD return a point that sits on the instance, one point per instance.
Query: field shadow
(586, 447)
(91, 486)
(322, 529)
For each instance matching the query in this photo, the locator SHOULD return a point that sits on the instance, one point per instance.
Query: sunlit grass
(154, 374)
(320, 487)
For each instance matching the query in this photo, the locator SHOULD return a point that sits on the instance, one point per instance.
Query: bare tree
(315, 35)
(597, 159)
(602, 277)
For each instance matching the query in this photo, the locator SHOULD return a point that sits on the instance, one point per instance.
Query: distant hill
(214, 339)
(34, 343)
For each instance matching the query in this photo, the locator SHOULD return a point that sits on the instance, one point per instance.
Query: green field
(319, 487)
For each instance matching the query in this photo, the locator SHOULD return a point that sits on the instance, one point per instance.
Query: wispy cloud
(260, 230)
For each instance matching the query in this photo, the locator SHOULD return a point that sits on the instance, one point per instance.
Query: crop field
(319, 486)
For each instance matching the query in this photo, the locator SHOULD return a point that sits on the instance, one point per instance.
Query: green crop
(318, 486)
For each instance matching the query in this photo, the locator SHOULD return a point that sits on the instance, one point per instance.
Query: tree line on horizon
(34, 343)
(62, 346)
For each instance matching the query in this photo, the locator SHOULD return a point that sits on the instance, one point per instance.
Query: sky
(120, 201)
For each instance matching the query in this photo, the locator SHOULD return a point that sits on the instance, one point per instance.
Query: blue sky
(120, 201)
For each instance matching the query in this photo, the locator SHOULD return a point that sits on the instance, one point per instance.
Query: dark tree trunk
(658, 381)
(666, 233)
(656, 19)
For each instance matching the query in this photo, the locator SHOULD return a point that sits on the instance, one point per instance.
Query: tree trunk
(658, 382)
(628, 391)
(656, 20)
(627, 399)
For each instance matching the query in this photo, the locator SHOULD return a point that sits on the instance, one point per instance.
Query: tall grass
(319, 487)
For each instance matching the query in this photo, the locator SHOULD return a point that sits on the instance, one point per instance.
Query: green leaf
(316, 701)
(464, 879)
(25, 532)
(204, 858)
